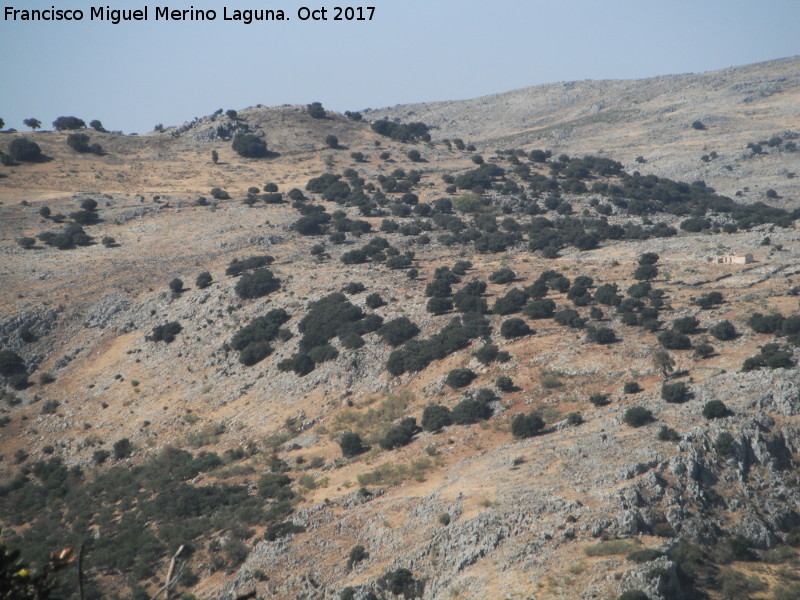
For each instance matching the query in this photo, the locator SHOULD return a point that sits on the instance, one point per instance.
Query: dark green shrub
(770, 356)
(633, 595)
(254, 352)
(607, 294)
(675, 393)
(275, 485)
(203, 280)
(698, 125)
(542, 308)
(316, 111)
(11, 363)
(357, 554)
(398, 331)
(400, 434)
(503, 276)
(569, 318)
(645, 272)
(438, 288)
(703, 349)
(458, 378)
(351, 444)
(26, 242)
(24, 150)
(648, 258)
(249, 146)
(673, 340)
(281, 530)
(724, 444)
(709, 300)
(68, 123)
(599, 400)
(487, 353)
(574, 418)
(525, 426)
(631, 387)
(645, 555)
(122, 448)
(686, 325)
(354, 287)
(667, 434)
(439, 306)
(512, 302)
(715, 409)
(471, 410)
(402, 582)
(256, 284)
(176, 285)
(514, 328)
(504, 383)
(636, 416)
(78, 142)
(219, 194)
(166, 332)
(332, 141)
(601, 335)
(323, 353)
(374, 301)
(436, 416)
(723, 331)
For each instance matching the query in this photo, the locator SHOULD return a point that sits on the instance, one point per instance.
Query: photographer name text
(115, 16)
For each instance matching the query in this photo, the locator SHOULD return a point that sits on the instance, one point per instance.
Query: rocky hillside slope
(613, 410)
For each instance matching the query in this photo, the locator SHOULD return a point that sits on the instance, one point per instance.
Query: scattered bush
(68, 123)
(176, 286)
(770, 356)
(631, 387)
(357, 554)
(400, 434)
(24, 150)
(256, 284)
(236, 267)
(724, 444)
(398, 331)
(249, 146)
(471, 410)
(715, 409)
(636, 416)
(514, 328)
(723, 331)
(165, 332)
(435, 417)
(675, 393)
(599, 400)
(203, 280)
(458, 378)
(351, 444)
(122, 448)
(502, 276)
(601, 335)
(525, 426)
(667, 434)
(316, 111)
(674, 340)
(281, 530)
(504, 383)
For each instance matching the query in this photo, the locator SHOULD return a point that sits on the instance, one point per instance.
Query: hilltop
(614, 409)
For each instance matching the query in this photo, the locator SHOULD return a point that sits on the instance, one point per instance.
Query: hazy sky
(135, 75)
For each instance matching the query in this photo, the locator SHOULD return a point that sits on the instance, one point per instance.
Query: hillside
(614, 409)
(650, 118)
